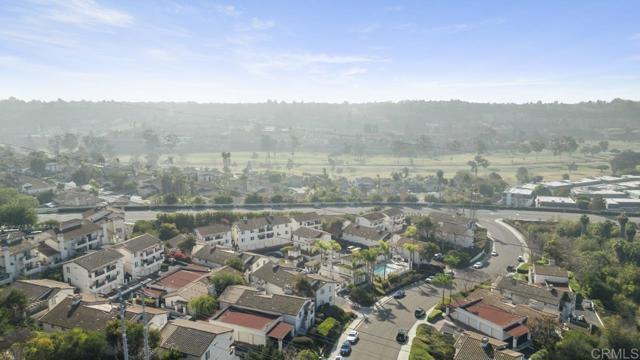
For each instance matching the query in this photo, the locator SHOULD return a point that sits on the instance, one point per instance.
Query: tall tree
(622, 221)
(385, 251)
(444, 281)
(412, 249)
(584, 224)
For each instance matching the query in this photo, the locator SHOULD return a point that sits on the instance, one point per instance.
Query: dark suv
(402, 336)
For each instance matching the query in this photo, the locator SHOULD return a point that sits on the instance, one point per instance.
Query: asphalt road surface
(378, 334)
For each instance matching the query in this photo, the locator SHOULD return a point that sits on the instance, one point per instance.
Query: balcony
(99, 273)
(32, 269)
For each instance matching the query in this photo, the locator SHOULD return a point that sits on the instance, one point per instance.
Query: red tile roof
(280, 331)
(245, 319)
(490, 313)
(180, 278)
(518, 330)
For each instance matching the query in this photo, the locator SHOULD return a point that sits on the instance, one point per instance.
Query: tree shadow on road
(385, 315)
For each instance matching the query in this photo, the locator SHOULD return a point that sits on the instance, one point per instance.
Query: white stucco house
(99, 272)
(141, 256)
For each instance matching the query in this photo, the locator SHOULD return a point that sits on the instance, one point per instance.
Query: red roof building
(253, 327)
(492, 321)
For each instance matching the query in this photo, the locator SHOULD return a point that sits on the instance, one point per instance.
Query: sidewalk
(405, 350)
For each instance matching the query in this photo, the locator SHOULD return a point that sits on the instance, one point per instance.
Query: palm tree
(584, 222)
(322, 246)
(622, 221)
(385, 250)
(440, 176)
(444, 281)
(369, 256)
(412, 249)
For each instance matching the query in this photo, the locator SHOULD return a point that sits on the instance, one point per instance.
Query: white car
(477, 265)
(353, 336)
(429, 279)
(520, 259)
(339, 357)
(494, 253)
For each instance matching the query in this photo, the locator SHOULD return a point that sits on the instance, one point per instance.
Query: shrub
(363, 296)
(332, 311)
(327, 326)
(303, 342)
(434, 315)
(523, 269)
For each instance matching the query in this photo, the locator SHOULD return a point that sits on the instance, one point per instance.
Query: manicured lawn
(505, 164)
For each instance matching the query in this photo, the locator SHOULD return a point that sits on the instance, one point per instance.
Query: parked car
(478, 265)
(520, 259)
(420, 313)
(429, 279)
(402, 336)
(353, 337)
(345, 349)
(494, 253)
(511, 268)
(399, 294)
(437, 256)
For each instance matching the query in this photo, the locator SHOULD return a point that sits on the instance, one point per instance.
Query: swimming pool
(379, 270)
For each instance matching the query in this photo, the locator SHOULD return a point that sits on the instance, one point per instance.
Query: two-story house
(308, 219)
(142, 255)
(277, 279)
(19, 257)
(296, 311)
(98, 272)
(394, 219)
(111, 220)
(304, 238)
(457, 230)
(390, 220)
(261, 232)
(364, 235)
(373, 220)
(216, 234)
(73, 237)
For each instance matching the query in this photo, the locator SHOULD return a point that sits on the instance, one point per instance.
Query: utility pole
(145, 325)
(123, 307)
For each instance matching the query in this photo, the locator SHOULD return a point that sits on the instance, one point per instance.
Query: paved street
(377, 335)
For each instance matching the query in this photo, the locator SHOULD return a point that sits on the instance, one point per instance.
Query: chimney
(488, 349)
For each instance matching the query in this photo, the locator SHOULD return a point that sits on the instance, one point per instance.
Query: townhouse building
(216, 234)
(261, 232)
(304, 238)
(99, 272)
(19, 257)
(141, 256)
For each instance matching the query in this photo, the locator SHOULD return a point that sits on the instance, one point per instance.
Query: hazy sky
(497, 51)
